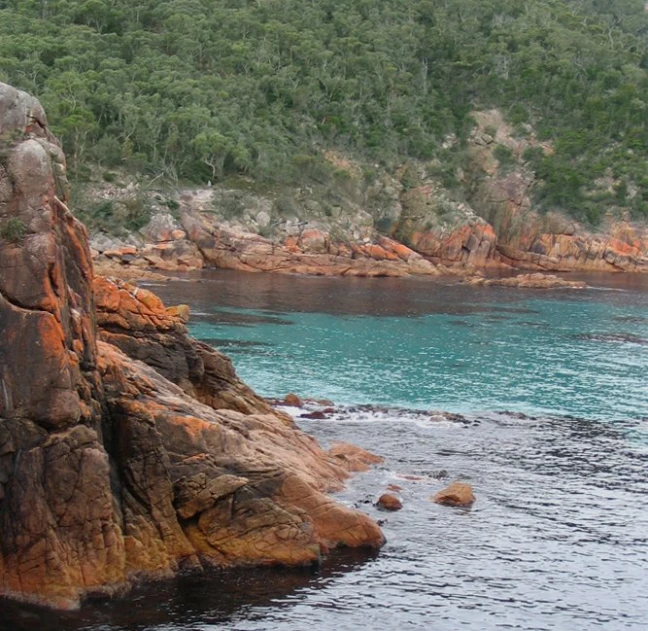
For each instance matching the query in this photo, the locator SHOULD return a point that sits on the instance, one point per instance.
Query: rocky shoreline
(205, 243)
(128, 450)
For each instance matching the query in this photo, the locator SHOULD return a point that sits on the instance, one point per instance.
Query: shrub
(504, 156)
(13, 230)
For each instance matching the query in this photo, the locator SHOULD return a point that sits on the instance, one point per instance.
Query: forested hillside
(199, 89)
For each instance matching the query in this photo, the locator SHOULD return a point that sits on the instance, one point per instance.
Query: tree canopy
(198, 89)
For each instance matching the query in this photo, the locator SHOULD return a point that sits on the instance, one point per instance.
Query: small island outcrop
(128, 450)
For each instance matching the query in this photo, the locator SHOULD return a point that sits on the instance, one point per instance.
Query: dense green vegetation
(199, 89)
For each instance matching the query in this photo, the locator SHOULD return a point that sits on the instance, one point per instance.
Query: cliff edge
(128, 450)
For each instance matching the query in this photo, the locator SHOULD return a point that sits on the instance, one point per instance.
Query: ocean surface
(539, 399)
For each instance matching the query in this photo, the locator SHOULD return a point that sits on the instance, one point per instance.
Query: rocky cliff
(128, 450)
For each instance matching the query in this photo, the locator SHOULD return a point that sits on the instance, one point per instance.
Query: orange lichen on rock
(140, 453)
(313, 252)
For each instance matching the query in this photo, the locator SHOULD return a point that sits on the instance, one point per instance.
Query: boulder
(292, 400)
(457, 494)
(162, 227)
(352, 457)
(180, 255)
(537, 280)
(317, 415)
(389, 502)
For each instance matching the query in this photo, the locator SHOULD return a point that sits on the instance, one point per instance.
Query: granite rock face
(312, 252)
(128, 451)
(502, 232)
(135, 321)
(581, 252)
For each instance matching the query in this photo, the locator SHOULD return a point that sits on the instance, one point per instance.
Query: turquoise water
(572, 353)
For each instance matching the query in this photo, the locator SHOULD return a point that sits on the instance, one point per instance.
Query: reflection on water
(208, 599)
(278, 294)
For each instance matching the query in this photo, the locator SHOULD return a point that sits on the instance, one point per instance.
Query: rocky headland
(129, 451)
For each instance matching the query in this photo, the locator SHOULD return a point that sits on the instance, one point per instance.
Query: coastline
(203, 242)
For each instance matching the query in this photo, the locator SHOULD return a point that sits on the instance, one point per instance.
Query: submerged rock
(528, 281)
(129, 451)
(457, 494)
(352, 457)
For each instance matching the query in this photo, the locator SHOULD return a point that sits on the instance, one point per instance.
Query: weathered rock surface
(229, 488)
(136, 321)
(457, 494)
(112, 269)
(501, 232)
(311, 252)
(472, 244)
(141, 453)
(352, 457)
(581, 252)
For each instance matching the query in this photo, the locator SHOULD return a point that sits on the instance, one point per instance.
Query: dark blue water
(551, 430)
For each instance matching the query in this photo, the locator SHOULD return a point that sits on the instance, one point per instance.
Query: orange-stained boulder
(180, 311)
(457, 494)
(389, 502)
